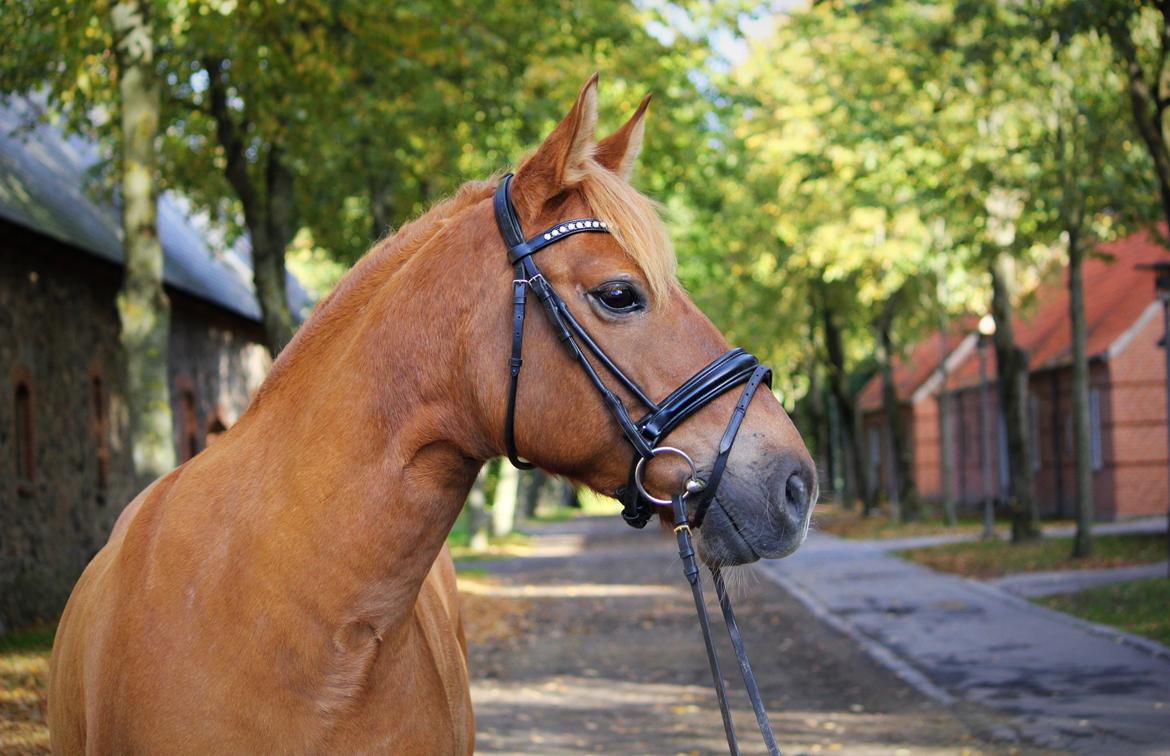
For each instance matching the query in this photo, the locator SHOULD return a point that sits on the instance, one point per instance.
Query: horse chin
(721, 542)
(731, 536)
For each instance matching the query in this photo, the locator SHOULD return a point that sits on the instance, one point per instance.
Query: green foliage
(988, 559)
(1137, 607)
(374, 103)
(864, 151)
(890, 149)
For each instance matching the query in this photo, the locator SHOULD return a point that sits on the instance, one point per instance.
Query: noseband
(732, 369)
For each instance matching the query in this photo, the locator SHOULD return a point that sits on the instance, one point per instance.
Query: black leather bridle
(732, 369)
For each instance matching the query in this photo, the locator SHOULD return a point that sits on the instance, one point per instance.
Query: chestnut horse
(288, 589)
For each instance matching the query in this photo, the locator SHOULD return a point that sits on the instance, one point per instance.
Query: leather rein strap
(732, 369)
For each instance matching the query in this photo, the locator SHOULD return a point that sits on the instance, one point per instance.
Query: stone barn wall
(65, 466)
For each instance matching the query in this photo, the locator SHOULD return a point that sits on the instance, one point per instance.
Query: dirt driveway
(590, 644)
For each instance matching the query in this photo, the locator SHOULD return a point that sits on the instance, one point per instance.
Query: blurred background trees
(841, 179)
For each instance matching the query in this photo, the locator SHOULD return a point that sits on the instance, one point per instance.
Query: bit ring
(693, 483)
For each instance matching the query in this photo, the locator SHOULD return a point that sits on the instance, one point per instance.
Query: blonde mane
(634, 222)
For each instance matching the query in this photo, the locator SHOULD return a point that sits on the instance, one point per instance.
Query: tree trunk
(504, 503)
(1083, 542)
(906, 497)
(946, 455)
(569, 495)
(826, 450)
(1012, 375)
(837, 465)
(381, 208)
(271, 234)
(477, 518)
(536, 482)
(1147, 99)
(813, 423)
(856, 484)
(269, 209)
(143, 307)
(269, 277)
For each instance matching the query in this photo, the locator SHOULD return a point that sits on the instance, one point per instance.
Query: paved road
(1067, 684)
(589, 644)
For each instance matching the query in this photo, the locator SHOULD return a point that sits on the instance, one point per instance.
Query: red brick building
(1127, 397)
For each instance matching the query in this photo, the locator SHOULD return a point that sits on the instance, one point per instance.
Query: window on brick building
(1096, 453)
(22, 415)
(97, 397)
(188, 425)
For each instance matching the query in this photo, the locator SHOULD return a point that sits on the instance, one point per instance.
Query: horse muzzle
(748, 521)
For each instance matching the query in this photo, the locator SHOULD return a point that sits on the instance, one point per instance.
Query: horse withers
(288, 589)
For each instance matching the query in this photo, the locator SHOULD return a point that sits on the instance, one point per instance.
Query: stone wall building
(65, 465)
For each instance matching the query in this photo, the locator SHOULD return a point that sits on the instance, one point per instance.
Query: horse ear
(619, 151)
(560, 160)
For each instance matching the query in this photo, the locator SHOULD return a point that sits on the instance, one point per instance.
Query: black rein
(732, 369)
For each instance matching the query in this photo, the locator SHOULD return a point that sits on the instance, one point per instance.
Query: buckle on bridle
(693, 485)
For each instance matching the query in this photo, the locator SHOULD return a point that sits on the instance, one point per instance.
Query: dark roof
(918, 366)
(46, 185)
(1118, 295)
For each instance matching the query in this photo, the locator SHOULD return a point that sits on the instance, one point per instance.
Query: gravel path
(590, 645)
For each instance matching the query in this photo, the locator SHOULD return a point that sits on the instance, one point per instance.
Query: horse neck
(366, 434)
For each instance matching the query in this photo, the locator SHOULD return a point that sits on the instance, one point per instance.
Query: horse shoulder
(439, 615)
(442, 580)
(82, 668)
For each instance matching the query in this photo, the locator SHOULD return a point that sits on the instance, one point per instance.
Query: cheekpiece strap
(527, 276)
(759, 375)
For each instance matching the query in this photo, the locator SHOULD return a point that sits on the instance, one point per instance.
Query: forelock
(635, 224)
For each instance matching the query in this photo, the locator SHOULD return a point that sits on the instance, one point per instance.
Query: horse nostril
(796, 494)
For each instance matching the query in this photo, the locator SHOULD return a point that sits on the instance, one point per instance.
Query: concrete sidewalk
(1037, 584)
(1069, 684)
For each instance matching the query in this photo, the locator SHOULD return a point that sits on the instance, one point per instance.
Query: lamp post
(1162, 292)
(986, 331)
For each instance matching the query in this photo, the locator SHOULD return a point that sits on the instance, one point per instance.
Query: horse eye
(618, 296)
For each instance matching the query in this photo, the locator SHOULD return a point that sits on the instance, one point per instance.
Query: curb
(874, 649)
(1136, 642)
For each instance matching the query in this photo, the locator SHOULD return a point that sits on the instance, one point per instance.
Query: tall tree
(857, 484)
(477, 515)
(143, 306)
(1098, 184)
(1012, 388)
(1140, 35)
(906, 505)
(504, 502)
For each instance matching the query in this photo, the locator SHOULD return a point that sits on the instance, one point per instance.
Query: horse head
(620, 287)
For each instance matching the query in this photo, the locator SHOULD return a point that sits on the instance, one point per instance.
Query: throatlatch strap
(519, 297)
(686, 553)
